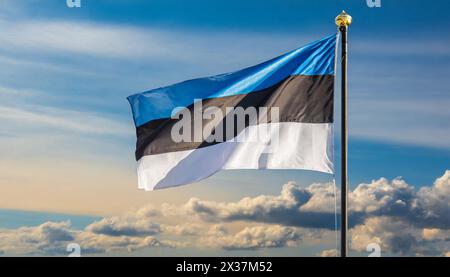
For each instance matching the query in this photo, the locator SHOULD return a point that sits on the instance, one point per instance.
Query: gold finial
(343, 19)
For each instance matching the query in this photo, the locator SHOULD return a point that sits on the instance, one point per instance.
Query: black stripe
(307, 99)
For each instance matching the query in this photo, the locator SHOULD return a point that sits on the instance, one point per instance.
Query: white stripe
(300, 146)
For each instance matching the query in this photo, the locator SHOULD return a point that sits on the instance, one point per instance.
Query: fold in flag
(275, 115)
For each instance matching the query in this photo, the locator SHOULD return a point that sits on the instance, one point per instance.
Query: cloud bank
(393, 214)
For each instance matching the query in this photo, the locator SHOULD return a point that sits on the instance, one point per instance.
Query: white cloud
(63, 119)
(124, 226)
(285, 208)
(434, 202)
(186, 229)
(379, 211)
(426, 207)
(148, 211)
(314, 205)
(83, 38)
(35, 44)
(52, 238)
(329, 253)
(435, 234)
(392, 235)
(380, 194)
(142, 223)
(402, 220)
(131, 42)
(218, 230)
(43, 238)
(254, 237)
(398, 236)
(390, 213)
(323, 198)
(99, 243)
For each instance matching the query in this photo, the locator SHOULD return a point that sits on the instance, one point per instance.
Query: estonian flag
(183, 134)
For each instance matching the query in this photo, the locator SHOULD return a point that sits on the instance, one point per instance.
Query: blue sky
(67, 134)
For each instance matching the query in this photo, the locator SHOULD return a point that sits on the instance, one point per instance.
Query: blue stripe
(316, 58)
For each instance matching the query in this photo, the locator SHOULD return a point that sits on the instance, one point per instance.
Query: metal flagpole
(344, 20)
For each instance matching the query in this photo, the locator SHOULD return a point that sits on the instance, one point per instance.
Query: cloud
(434, 234)
(255, 237)
(397, 236)
(142, 223)
(46, 48)
(433, 203)
(117, 226)
(95, 243)
(148, 211)
(43, 238)
(402, 220)
(294, 206)
(122, 41)
(313, 206)
(381, 195)
(52, 238)
(84, 38)
(114, 41)
(392, 235)
(393, 214)
(427, 207)
(35, 48)
(187, 229)
(64, 119)
(218, 230)
(329, 253)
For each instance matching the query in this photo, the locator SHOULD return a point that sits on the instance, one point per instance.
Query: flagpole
(343, 20)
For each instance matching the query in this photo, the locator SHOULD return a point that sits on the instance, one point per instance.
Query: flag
(274, 115)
